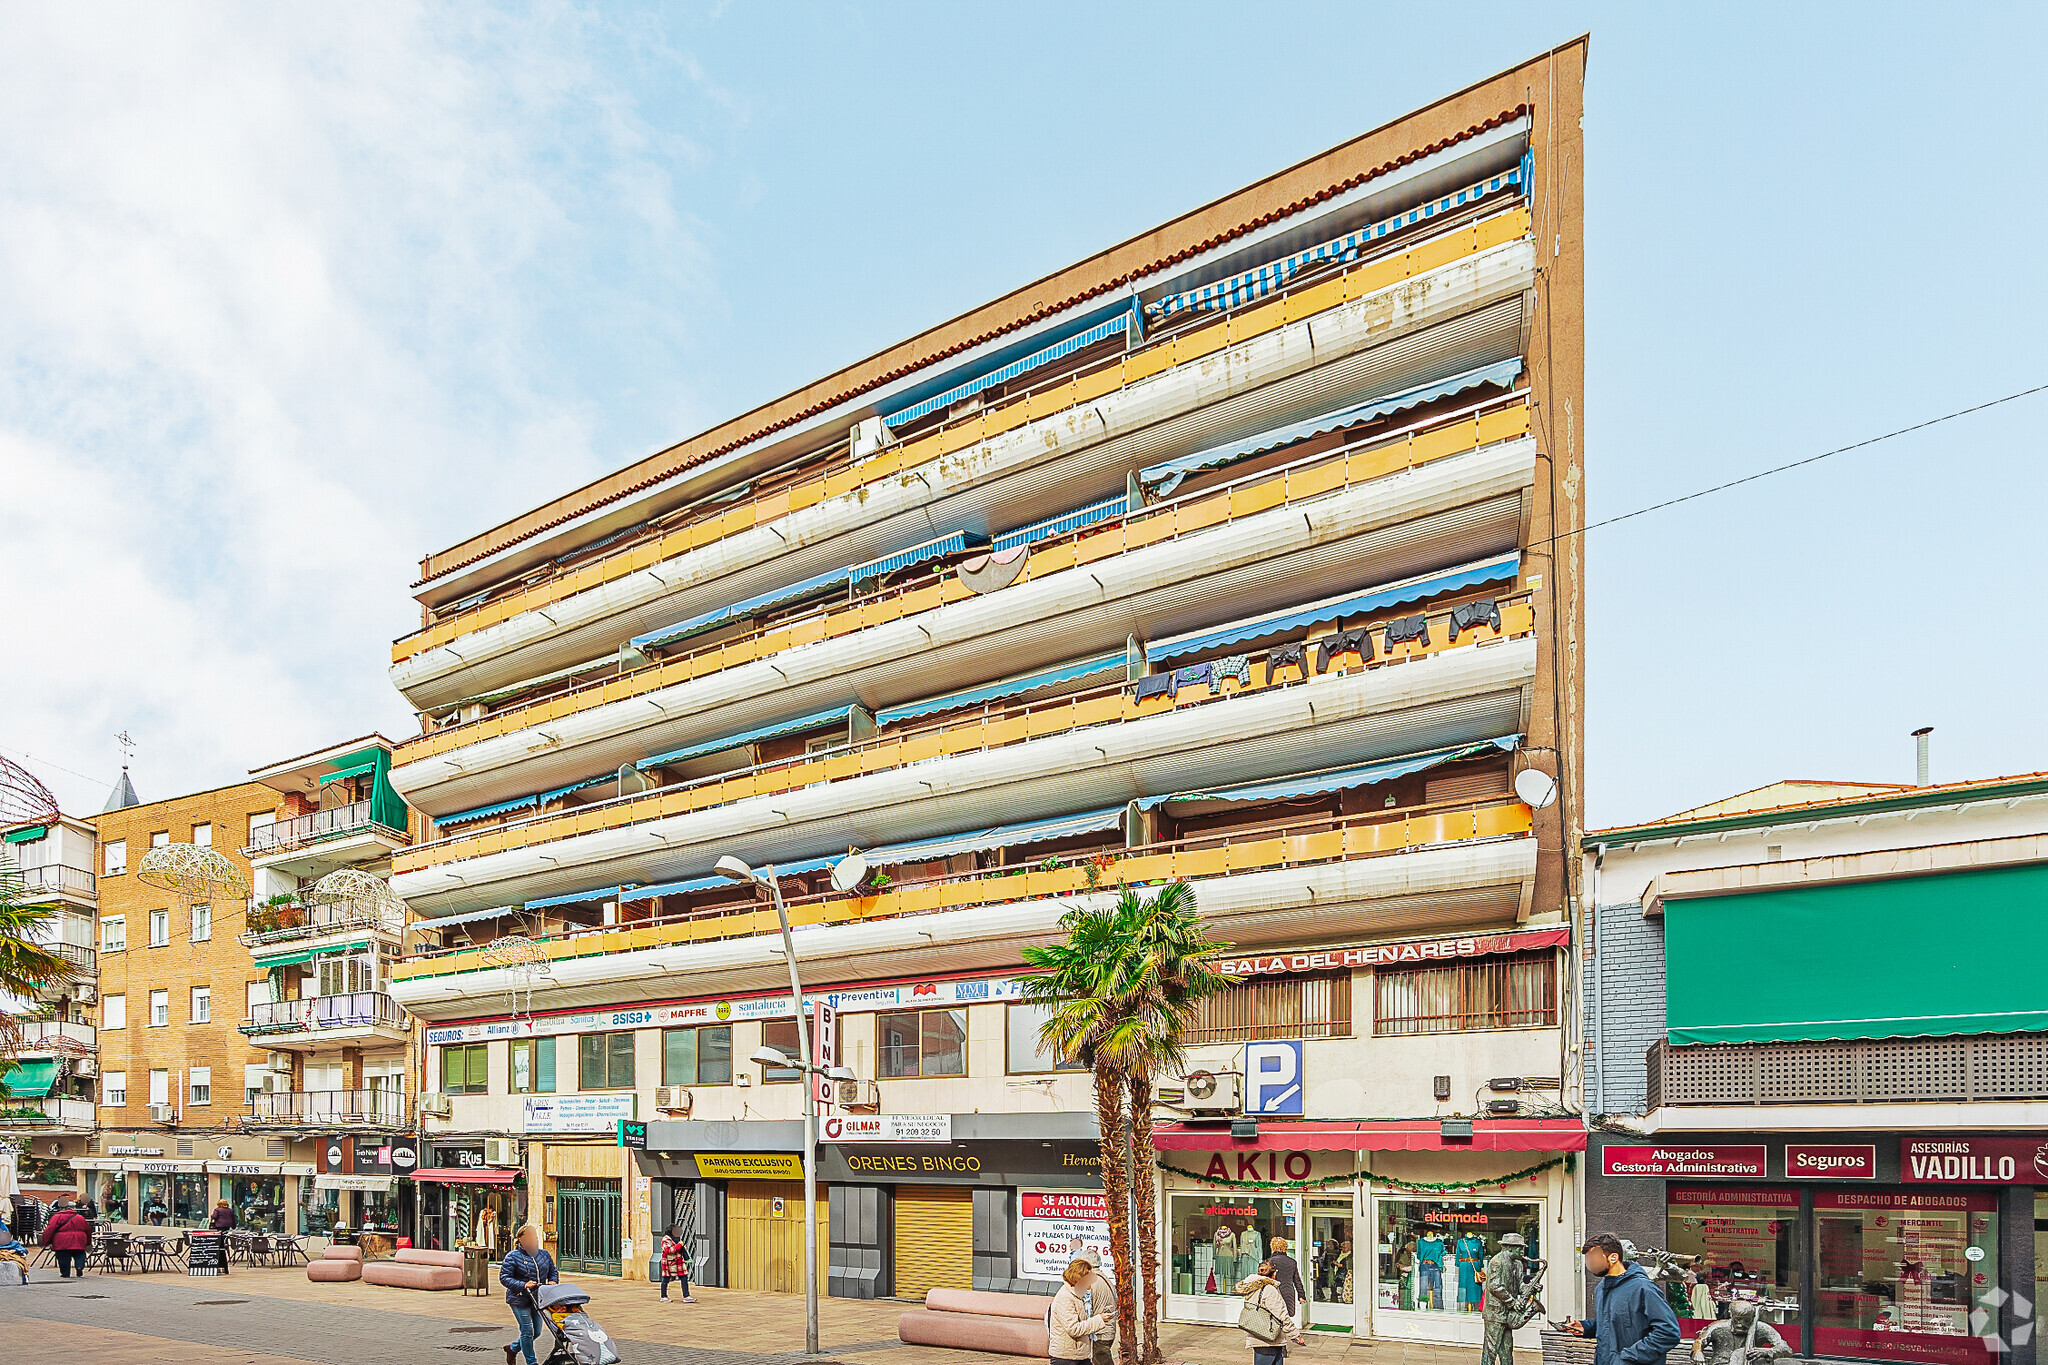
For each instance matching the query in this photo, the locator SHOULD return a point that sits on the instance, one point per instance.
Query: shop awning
(30, 1080)
(1001, 836)
(265, 961)
(1501, 569)
(1011, 687)
(1378, 1135)
(1336, 779)
(468, 1175)
(463, 817)
(373, 1184)
(689, 884)
(1061, 524)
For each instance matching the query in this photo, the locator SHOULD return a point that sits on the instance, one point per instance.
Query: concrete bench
(988, 1305)
(975, 1332)
(415, 1269)
(336, 1264)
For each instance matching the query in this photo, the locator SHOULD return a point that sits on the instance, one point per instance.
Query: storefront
(168, 1193)
(362, 1184)
(461, 1201)
(1392, 1229)
(1917, 1248)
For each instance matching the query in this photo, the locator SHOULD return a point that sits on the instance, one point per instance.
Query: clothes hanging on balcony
(1472, 614)
(1153, 685)
(1238, 666)
(1286, 656)
(1408, 628)
(1194, 675)
(1332, 647)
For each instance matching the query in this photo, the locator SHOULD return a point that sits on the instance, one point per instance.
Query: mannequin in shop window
(1471, 1251)
(1223, 1265)
(1404, 1272)
(1430, 1255)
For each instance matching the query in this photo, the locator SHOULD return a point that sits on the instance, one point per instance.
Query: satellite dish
(849, 872)
(1536, 788)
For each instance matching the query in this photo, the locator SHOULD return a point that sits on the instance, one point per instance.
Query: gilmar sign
(1973, 1161)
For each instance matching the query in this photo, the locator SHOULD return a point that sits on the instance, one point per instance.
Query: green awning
(356, 770)
(26, 835)
(1909, 957)
(30, 1080)
(288, 957)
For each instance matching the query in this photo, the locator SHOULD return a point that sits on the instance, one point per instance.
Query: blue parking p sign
(1273, 1078)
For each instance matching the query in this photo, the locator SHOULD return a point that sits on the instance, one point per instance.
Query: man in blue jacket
(1632, 1323)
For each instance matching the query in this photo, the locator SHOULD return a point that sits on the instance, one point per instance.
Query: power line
(58, 766)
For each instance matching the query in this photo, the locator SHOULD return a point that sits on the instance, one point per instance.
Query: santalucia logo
(1984, 1321)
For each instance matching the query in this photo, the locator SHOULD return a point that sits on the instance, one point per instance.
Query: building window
(1896, 1274)
(533, 1066)
(202, 922)
(114, 1011)
(202, 1004)
(160, 839)
(114, 1089)
(697, 1056)
(259, 828)
(604, 1061)
(159, 928)
(1741, 1244)
(113, 933)
(258, 994)
(202, 836)
(781, 1035)
(465, 1070)
(159, 1010)
(347, 975)
(1027, 1056)
(1433, 1252)
(927, 1043)
(160, 1087)
(116, 857)
(1489, 993)
(1282, 1007)
(201, 1078)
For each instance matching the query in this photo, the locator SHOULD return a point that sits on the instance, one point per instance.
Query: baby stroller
(578, 1338)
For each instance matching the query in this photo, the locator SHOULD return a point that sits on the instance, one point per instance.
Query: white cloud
(281, 301)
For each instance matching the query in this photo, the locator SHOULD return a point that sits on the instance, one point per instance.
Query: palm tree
(26, 966)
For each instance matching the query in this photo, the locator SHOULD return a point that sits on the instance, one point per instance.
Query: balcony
(326, 1020)
(60, 1039)
(274, 925)
(1988, 1066)
(56, 879)
(51, 1112)
(336, 833)
(376, 1108)
(84, 963)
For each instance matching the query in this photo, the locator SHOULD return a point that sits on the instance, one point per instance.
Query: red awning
(469, 1175)
(1378, 1135)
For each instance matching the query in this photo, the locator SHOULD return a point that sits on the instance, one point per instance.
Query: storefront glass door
(1327, 1263)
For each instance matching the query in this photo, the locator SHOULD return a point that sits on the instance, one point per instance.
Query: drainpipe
(1599, 994)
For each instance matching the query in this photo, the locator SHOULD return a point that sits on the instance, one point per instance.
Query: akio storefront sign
(1973, 1161)
(1831, 1160)
(1687, 1162)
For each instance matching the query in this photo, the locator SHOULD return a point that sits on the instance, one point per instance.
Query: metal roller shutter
(934, 1238)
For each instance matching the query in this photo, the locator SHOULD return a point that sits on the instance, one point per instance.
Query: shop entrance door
(1329, 1264)
(587, 1226)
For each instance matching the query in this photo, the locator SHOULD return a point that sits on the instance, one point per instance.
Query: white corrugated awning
(1001, 836)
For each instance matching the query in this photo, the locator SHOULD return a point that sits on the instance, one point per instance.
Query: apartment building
(1818, 1034)
(1224, 555)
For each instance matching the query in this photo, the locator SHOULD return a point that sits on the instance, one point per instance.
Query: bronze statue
(1742, 1339)
(1512, 1283)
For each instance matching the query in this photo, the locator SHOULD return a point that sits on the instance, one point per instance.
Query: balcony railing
(1989, 1066)
(48, 1035)
(317, 827)
(52, 1111)
(1179, 343)
(84, 961)
(357, 1009)
(384, 1108)
(317, 921)
(57, 879)
(1260, 848)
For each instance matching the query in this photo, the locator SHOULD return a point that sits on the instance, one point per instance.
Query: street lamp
(736, 869)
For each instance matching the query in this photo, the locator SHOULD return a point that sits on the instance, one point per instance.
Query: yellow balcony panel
(1201, 514)
(1151, 868)
(1258, 497)
(1257, 853)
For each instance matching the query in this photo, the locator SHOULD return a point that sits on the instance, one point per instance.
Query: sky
(291, 295)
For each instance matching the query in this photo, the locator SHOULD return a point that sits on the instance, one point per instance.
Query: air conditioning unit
(672, 1099)
(85, 1066)
(856, 1094)
(84, 992)
(281, 1063)
(163, 1113)
(501, 1152)
(1213, 1092)
(436, 1105)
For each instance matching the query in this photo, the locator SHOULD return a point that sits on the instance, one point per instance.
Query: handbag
(1259, 1322)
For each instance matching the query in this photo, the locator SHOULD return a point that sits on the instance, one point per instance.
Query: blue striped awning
(1335, 779)
(1013, 687)
(1500, 569)
(1063, 523)
(550, 795)
(463, 817)
(689, 884)
(713, 746)
(1261, 280)
(473, 917)
(603, 893)
(1059, 349)
(1001, 836)
(1161, 479)
(957, 543)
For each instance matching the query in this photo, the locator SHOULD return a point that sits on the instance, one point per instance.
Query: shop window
(465, 1070)
(111, 1194)
(1219, 1239)
(1027, 1056)
(533, 1066)
(604, 1061)
(1741, 1242)
(318, 1210)
(258, 1202)
(927, 1043)
(1517, 991)
(1433, 1252)
(1289, 1007)
(177, 1201)
(1897, 1275)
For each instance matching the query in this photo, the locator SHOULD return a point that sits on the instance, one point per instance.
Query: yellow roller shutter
(934, 1238)
(764, 1232)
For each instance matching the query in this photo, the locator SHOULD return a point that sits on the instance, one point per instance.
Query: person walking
(1072, 1333)
(1261, 1289)
(70, 1237)
(223, 1222)
(675, 1264)
(1287, 1277)
(1632, 1323)
(1098, 1294)
(526, 1267)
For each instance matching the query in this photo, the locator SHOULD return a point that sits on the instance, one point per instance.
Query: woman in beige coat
(1264, 1290)
(1071, 1331)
